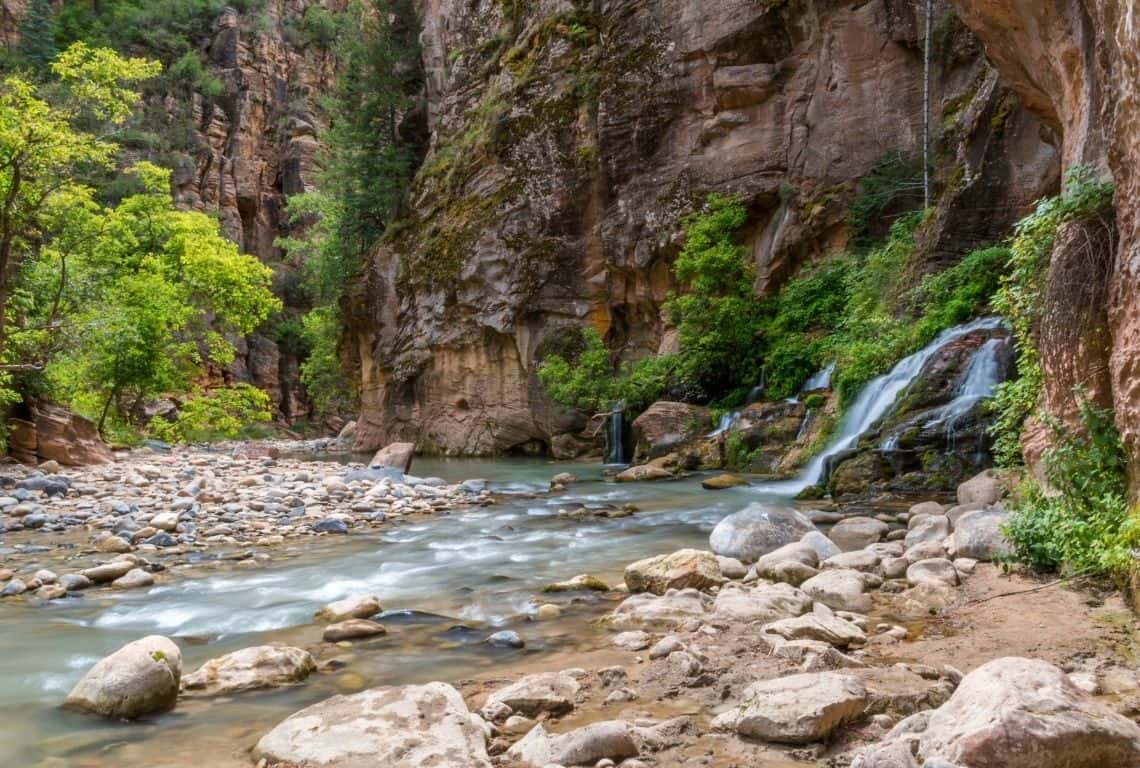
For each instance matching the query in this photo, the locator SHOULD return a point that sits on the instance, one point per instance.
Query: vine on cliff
(1020, 300)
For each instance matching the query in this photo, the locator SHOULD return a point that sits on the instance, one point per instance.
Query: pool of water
(446, 582)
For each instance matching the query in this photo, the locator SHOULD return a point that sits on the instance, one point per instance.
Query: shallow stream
(446, 583)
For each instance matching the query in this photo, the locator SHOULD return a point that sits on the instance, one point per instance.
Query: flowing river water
(446, 583)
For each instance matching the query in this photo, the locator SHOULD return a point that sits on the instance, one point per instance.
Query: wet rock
(978, 535)
(679, 570)
(613, 739)
(563, 479)
(841, 589)
(757, 530)
(721, 482)
(161, 539)
(547, 612)
(765, 603)
(1012, 713)
(934, 571)
(14, 587)
(133, 579)
(352, 629)
(582, 582)
(113, 544)
(665, 426)
(330, 525)
(642, 473)
(983, 488)
(74, 581)
(141, 678)
(50, 592)
(262, 666)
(551, 693)
(395, 455)
(506, 639)
(100, 574)
(668, 611)
(798, 709)
(415, 725)
(853, 533)
(354, 607)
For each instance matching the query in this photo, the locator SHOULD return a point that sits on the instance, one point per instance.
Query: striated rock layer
(569, 139)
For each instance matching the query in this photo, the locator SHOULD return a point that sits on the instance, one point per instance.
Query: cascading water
(821, 379)
(615, 437)
(873, 402)
(727, 420)
(982, 375)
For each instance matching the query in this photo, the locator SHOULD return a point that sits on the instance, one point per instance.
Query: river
(446, 583)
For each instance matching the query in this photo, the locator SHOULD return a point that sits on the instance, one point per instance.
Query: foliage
(320, 27)
(37, 35)
(220, 414)
(719, 317)
(150, 295)
(1081, 520)
(737, 455)
(893, 184)
(1019, 300)
(190, 71)
(589, 380)
(321, 374)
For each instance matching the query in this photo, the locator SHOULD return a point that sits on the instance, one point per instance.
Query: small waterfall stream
(616, 452)
(874, 402)
(982, 375)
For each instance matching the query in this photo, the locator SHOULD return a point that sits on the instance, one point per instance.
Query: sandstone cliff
(569, 138)
(1076, 65)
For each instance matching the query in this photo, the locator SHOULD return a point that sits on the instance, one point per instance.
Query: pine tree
(37, 35)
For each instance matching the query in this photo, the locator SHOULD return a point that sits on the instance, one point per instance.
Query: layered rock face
(1076, 65)
(569, 140)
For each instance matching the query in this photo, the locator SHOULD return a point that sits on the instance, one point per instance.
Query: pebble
(506, 639)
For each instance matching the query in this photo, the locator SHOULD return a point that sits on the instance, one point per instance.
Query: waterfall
(756, 394)
(978, 383)
(819, 380)
(615, 437)
(727, 420)
(873, 402)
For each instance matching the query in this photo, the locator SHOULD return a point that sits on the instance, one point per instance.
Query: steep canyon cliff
(569, 139)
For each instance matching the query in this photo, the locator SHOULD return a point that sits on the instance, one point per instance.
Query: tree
(155, 294)
(46, 147)
(37, 34)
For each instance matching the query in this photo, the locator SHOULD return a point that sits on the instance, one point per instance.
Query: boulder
(721, 482)
(56, 434)
(853, 533)
(643, 472)
(824, 547)
(261, 666)
(551, 693)
(864, 560)
(798, 709)
(133, 579)
(978, 535)
(766, 603)
(352, 629)
(926, 508)
(955, 513)
(841, 589)
(414, 725)
(821, 624)
(665, 426)
(929, 528)
(1011, 713)
(141, 678)
(983, 488)
(611, 739)
(100, 574)
(757, 530)
(396, 455)
(937, 570)
(582, 582)
(679, 570)
(668, 611)
(354, 607)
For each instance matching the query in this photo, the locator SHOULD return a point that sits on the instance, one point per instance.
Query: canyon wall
(568, 141)
(1076, 65)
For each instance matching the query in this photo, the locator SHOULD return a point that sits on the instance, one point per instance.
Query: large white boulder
(413, 725)
(261, 666)
(141, 678)
(757, 530)
(684, 568)
(798, 709)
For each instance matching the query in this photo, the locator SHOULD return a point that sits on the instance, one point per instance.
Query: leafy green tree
(157, 294)
(225, 413)
(46, 145)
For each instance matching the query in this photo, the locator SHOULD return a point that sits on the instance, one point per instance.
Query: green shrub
(324, 380)
(1082, 520)
(221, 414)
(815, 401)
(737, 455)
(319, 27)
